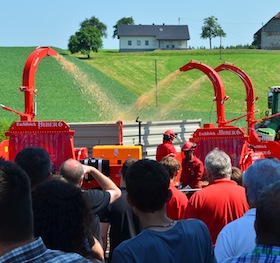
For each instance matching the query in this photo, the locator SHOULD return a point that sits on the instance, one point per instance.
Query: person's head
(36, 162)
(147, 183)
(236, 175)
(258, 175)
(73, 171)
(268, 216)
(169, 135)
(127, 163)
(172, 165)
(61, 216)
(217, 165)
(188, 149)
(16, 220)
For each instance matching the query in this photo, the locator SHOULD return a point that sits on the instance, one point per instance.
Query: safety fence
(146, 133)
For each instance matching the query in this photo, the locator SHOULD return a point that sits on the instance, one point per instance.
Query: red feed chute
(219, 93)
(230, 139)
(28, 80)
(250, 94)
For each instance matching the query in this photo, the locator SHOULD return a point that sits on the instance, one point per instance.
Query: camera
(100, 164)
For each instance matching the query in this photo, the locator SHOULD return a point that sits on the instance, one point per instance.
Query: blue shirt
(261, 254)
(187, 241)
(36, 251)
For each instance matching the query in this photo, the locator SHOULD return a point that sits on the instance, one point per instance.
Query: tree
(85, 40)
(89, 37)
(123, 21)
(93, 21)
(212, 29)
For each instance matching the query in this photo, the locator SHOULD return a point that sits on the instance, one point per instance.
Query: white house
(152, 37)
(268, 36)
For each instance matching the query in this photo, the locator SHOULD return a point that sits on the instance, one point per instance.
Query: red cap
(169, 133)
(188, 146)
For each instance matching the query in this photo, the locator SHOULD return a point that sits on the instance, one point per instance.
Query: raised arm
(104, 182)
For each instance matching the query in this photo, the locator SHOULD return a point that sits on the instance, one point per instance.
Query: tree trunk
(210, 42)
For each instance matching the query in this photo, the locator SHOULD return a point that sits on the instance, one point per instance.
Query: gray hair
(259, 175)
(218, 164)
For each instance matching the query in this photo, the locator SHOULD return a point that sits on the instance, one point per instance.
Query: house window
(146, 42)
(129, 42)
(138, 42)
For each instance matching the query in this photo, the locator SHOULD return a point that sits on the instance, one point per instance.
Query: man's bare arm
(104, 182)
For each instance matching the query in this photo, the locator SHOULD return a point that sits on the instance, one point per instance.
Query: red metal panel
(228, 139)
(54, 136)
(81, 153)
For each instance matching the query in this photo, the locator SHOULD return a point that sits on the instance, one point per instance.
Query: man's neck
(158, 218)
(5, 247)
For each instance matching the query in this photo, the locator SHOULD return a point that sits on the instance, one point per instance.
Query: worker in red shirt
(192, 167)
(166, 148)
(177, 204)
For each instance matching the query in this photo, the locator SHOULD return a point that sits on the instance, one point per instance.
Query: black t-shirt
(124, 223)
(97, 200)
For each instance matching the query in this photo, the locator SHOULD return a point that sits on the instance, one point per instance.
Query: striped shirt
(261, 254)
(36, 251)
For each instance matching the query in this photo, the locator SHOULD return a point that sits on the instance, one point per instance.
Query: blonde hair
(171, 164)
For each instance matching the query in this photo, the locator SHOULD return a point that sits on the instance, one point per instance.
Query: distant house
(268, 36)
(152, 37)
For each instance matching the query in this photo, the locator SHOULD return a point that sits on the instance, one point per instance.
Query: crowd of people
(50, 217)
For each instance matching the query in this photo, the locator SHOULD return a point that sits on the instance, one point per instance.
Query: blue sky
(51, 23)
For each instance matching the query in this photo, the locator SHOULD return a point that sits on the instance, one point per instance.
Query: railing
(90, 134)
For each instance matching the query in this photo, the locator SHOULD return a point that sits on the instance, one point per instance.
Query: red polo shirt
(219, 203)
(177, 205)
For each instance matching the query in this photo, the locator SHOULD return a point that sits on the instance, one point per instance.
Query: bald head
(73, 171)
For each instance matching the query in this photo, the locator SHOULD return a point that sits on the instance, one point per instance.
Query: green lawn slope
(112, 85)
(67, 88)
(154, 77)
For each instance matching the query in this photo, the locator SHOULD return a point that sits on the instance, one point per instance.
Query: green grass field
(112, 85)
(192, 91)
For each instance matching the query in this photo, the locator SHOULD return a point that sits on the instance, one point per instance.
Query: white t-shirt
(237, 237)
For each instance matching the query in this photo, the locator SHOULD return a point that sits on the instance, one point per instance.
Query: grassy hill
(190, 94)
(67, 88)
(113, 85)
